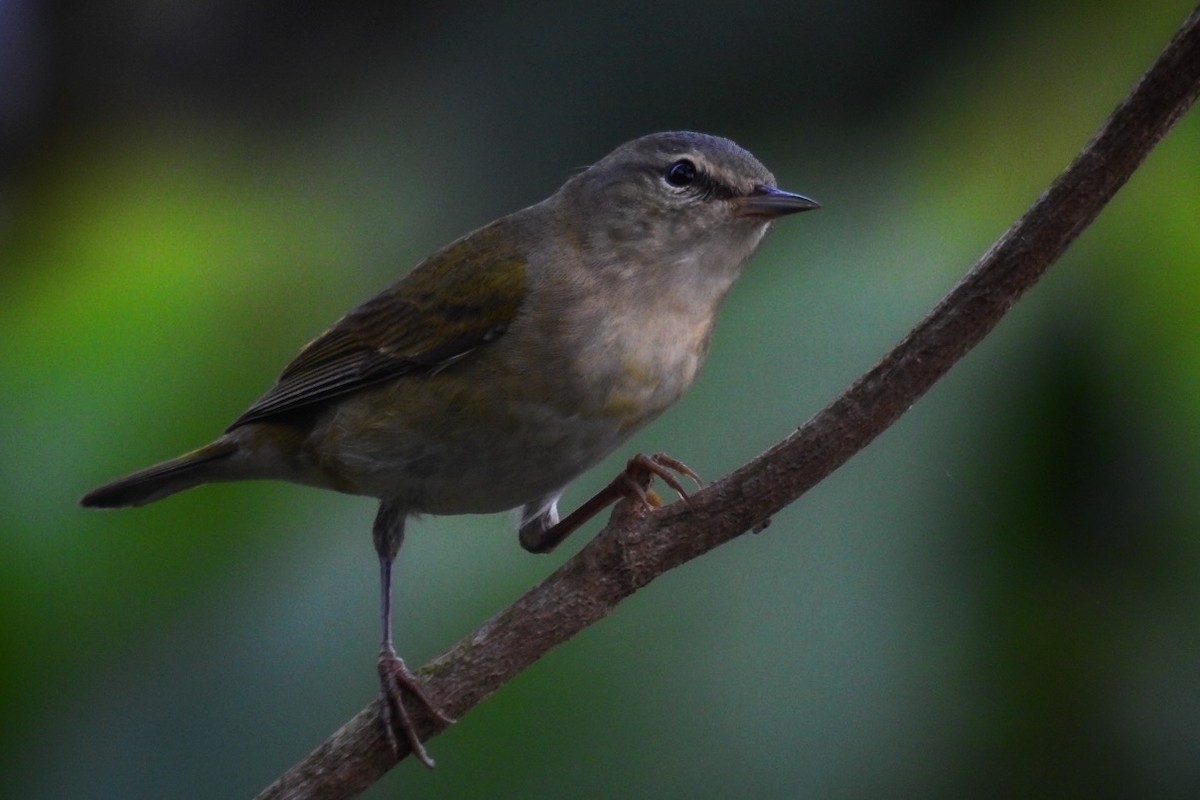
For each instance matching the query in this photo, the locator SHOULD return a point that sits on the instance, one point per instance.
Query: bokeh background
(1000, 597)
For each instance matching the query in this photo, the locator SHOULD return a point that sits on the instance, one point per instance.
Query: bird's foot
(642, 468)
(633, 482)
(395, 680)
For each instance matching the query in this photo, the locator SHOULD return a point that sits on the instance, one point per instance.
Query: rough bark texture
(634, 548)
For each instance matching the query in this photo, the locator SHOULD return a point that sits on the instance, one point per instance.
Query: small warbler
(508, 362)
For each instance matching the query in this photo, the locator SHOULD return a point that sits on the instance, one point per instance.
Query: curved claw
(665, 468)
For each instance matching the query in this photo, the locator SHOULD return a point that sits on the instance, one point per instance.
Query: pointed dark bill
(770, 202)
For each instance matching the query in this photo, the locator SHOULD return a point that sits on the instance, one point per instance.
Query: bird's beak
(767, 201)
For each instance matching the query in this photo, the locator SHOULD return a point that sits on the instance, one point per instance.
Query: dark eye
(682, 173)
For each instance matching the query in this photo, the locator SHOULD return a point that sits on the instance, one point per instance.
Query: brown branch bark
(634, 549)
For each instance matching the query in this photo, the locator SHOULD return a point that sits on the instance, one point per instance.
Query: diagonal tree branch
(635, 548)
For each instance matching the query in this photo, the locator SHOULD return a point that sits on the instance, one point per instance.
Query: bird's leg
(629, 483)
(394, 677)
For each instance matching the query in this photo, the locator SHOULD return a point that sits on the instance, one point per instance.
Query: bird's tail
(162, 480)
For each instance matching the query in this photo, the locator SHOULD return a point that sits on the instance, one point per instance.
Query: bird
(507, 363)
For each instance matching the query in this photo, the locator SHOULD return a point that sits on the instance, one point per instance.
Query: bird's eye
(680, 174)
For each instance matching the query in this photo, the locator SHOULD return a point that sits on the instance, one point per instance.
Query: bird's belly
(467, 454)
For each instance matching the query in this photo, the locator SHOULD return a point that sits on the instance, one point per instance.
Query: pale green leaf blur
(1000, 597)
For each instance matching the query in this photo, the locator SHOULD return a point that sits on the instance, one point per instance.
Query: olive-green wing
(457, 300)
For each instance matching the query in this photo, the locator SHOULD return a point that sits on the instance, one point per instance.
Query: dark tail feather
(161, 480)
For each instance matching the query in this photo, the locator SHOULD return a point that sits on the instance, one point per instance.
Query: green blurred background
(1000, 597)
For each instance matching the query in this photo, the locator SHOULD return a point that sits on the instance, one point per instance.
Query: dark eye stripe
(714, 189)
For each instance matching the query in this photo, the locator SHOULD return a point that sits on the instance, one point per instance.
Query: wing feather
(457, 300)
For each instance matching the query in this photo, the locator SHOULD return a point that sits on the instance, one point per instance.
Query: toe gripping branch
(396, 680)
(633, 483)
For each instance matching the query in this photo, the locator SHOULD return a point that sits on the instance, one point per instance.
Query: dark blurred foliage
(998, 598)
